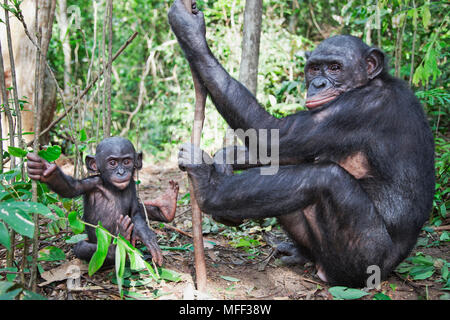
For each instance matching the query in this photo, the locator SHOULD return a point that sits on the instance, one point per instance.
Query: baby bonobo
(110, 196)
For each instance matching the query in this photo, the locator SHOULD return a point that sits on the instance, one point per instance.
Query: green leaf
(428, 261)
(103, 242)
(16, 219)
(5, 285)
(421, 272)
(30, 295)
(51, 253)
(17, 152)
(169, 275)
(51, 153)
(381, 296)
(426, 16)
(344, 293)
(230, 278)
(4, 236)
(83, 135)
(77, 238)
(121, 255)
(10, 295)
(75, 223)
(33, 207)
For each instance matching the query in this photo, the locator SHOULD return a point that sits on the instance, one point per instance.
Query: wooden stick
(199, 117)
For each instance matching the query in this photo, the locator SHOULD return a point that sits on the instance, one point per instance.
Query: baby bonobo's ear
(91, 165)
(138, 161)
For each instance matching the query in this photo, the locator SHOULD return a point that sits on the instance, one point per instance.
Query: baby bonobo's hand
(38, 168)
(152, 245)
(125, 228)
(155, 251)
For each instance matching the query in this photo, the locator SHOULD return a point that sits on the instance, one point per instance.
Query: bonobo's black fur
(109, 195)
(356, 177)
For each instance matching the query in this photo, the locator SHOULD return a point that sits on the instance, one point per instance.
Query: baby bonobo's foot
(125, 227)
(291, 254)
(167, 202)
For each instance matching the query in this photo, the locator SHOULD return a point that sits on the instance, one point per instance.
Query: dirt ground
(231, 273)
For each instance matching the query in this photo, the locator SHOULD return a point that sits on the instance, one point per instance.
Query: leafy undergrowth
(240, 264)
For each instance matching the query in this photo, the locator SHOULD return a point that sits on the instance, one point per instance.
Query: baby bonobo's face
(115, 158)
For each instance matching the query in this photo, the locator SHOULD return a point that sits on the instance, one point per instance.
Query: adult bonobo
(356, 176)
(110, 196)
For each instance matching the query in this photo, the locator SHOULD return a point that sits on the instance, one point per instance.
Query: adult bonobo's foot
(290, 254)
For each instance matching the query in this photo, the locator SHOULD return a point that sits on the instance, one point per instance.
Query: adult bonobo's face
(339, 64)
(115, 159)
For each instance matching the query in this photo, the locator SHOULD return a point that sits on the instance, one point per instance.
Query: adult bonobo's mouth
(320, 99)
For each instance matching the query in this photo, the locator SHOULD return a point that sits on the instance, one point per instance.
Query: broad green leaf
(121, 255)
(10, 295)
(4, 236)
(426, 16)
(30, 295)
(230, 278)
(16, 219)
(51, 153)
(421, 272)
(169, 275)
(381, 296)
(32, 207)
(5, 285)
(83, 135)
(17, 152)
(344, 293)
(103, 242)
(76, 225)
(77, 238)
(423, 260)
(51, 253)
(150, 269)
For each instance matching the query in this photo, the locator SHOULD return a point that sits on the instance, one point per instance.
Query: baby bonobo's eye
(112, 163)
(127, 162)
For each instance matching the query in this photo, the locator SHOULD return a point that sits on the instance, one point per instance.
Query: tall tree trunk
(248, 72)
(63, 24)
(24, 58)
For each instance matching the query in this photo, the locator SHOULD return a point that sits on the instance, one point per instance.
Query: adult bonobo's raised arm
(109, 196)
(356, 176)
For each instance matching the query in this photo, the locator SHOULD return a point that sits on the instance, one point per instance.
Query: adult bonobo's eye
(313, 69)
(335, 68)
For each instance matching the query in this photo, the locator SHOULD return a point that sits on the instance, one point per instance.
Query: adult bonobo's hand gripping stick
(199, 117)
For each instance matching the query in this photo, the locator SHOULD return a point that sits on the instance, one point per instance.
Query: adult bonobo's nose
(318, 84)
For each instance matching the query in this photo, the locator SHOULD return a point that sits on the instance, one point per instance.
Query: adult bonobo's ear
(307, 54)
(138, 161)
(91, 165)
(375, 62)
